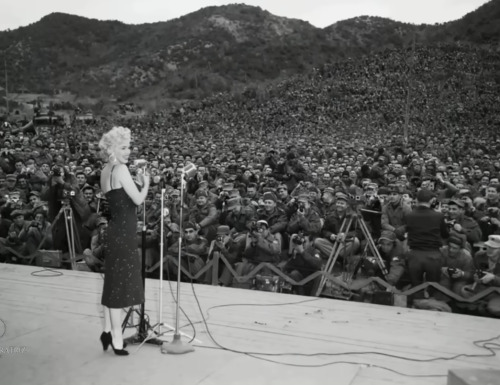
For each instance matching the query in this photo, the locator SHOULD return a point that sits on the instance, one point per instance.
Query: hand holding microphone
(142, 173)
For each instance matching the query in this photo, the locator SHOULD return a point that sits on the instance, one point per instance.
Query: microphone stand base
(176, 346)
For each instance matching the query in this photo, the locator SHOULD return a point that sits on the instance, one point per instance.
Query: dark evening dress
(123, 285)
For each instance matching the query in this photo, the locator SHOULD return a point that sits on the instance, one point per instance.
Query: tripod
(67, 212)
(357, 218)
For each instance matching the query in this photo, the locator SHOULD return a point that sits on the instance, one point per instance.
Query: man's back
(426, 229)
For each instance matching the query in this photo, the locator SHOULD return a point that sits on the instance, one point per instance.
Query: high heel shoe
(119, 352)
(106, 340)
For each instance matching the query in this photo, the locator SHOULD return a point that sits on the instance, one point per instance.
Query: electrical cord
(487, 344)
(491, 347)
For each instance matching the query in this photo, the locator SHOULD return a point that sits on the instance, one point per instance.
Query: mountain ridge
(215, 49)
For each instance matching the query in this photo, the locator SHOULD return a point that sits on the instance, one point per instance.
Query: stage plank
(58, 321)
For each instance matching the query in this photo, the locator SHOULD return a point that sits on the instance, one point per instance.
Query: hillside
(215, 49)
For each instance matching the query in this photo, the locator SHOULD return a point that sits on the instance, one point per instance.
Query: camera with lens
(452, 271)
(68, 193)
(298, 239)
(57, 171)
(301, 207)
(254, 228)
(480, 273)
(219, 238)
(492, 211)
(450, 223)
(35, 224)
(224, 195)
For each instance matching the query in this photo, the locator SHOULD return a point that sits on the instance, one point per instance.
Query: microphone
(140, 163)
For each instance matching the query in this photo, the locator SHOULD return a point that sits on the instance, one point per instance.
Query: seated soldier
(462, 225)
(458, 268)
(487, 263)
(350, 238)
(39, 233)
(302, 261)
(13, 202)
(94, 256)
(273, 215)
(239, 218)
(194, 251)
(392, 254)
(227, 247)
(204, 215)
(305, 221)
(13, 248)
(261, 246)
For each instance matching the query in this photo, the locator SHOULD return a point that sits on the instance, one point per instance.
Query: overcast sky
(320, 13)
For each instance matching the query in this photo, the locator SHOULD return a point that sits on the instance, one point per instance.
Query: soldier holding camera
(13, 202)
(261, 246)
(62, 191)
(304, 219)
(350, 238)
(39, 233)
(15, 243)
(302, 261)
(458, 266)
(225, 245)
(487, 274)
(273, 215)
(239, 218)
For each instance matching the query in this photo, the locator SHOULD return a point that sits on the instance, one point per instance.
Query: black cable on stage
(488, 345)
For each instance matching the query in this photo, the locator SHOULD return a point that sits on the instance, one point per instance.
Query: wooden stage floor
(50, 327)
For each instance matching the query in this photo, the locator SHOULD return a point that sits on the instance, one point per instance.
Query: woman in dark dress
(122, 279)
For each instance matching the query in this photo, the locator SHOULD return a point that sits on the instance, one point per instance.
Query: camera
(301, 207)
(452, 271)
(480, 273)
(450, 223)
(57, 171)
(298, 239)
(68, 193)
(253, 227)
(224, 195)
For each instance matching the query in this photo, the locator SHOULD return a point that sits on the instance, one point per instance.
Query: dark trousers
(420, 262)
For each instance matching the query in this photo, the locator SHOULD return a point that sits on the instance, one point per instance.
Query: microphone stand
(142, 333)
(177, 346)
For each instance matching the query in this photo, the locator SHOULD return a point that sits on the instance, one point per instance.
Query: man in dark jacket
(426, 230)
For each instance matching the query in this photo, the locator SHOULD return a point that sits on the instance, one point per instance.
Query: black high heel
(119, 352)
(106, 340)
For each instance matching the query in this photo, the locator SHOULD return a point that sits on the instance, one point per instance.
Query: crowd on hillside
(278, 172)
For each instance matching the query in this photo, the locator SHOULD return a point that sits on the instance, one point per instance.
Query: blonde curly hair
(113, 138)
